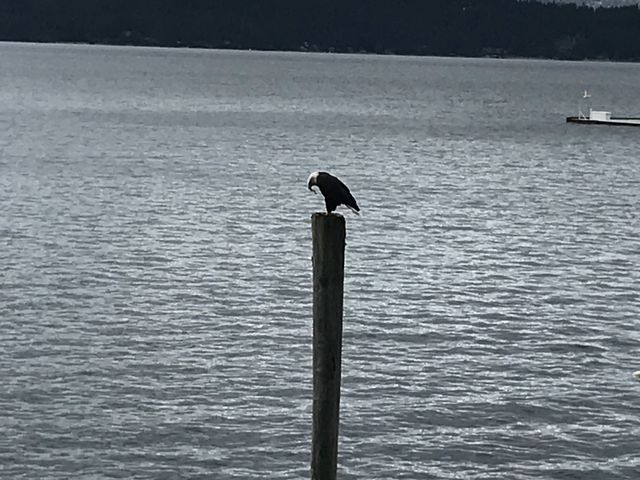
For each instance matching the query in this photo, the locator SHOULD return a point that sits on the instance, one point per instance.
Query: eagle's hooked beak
(310, 186)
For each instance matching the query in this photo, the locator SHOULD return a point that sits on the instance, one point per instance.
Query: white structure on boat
(599, 115)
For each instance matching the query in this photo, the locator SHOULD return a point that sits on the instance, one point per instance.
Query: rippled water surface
(155, 301)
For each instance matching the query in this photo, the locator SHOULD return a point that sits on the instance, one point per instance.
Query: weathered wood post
(328, 232)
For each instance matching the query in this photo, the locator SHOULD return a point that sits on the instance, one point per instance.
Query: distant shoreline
(301, 51)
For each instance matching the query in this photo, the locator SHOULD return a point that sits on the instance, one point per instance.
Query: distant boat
(601, 117)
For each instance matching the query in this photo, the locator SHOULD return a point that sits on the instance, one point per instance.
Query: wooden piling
(328, 232)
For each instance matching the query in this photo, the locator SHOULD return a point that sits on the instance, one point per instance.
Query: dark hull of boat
(619, 121)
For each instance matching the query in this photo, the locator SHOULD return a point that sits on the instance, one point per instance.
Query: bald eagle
(335, 192)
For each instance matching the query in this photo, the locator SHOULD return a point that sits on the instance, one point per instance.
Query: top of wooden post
(327, 217)
(329, 225)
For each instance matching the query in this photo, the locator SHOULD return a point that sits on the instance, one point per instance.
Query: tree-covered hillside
(431, 27)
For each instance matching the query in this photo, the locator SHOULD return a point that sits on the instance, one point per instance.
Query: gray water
(155, 316)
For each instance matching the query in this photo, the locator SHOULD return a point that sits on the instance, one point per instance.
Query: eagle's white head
(312, 181)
